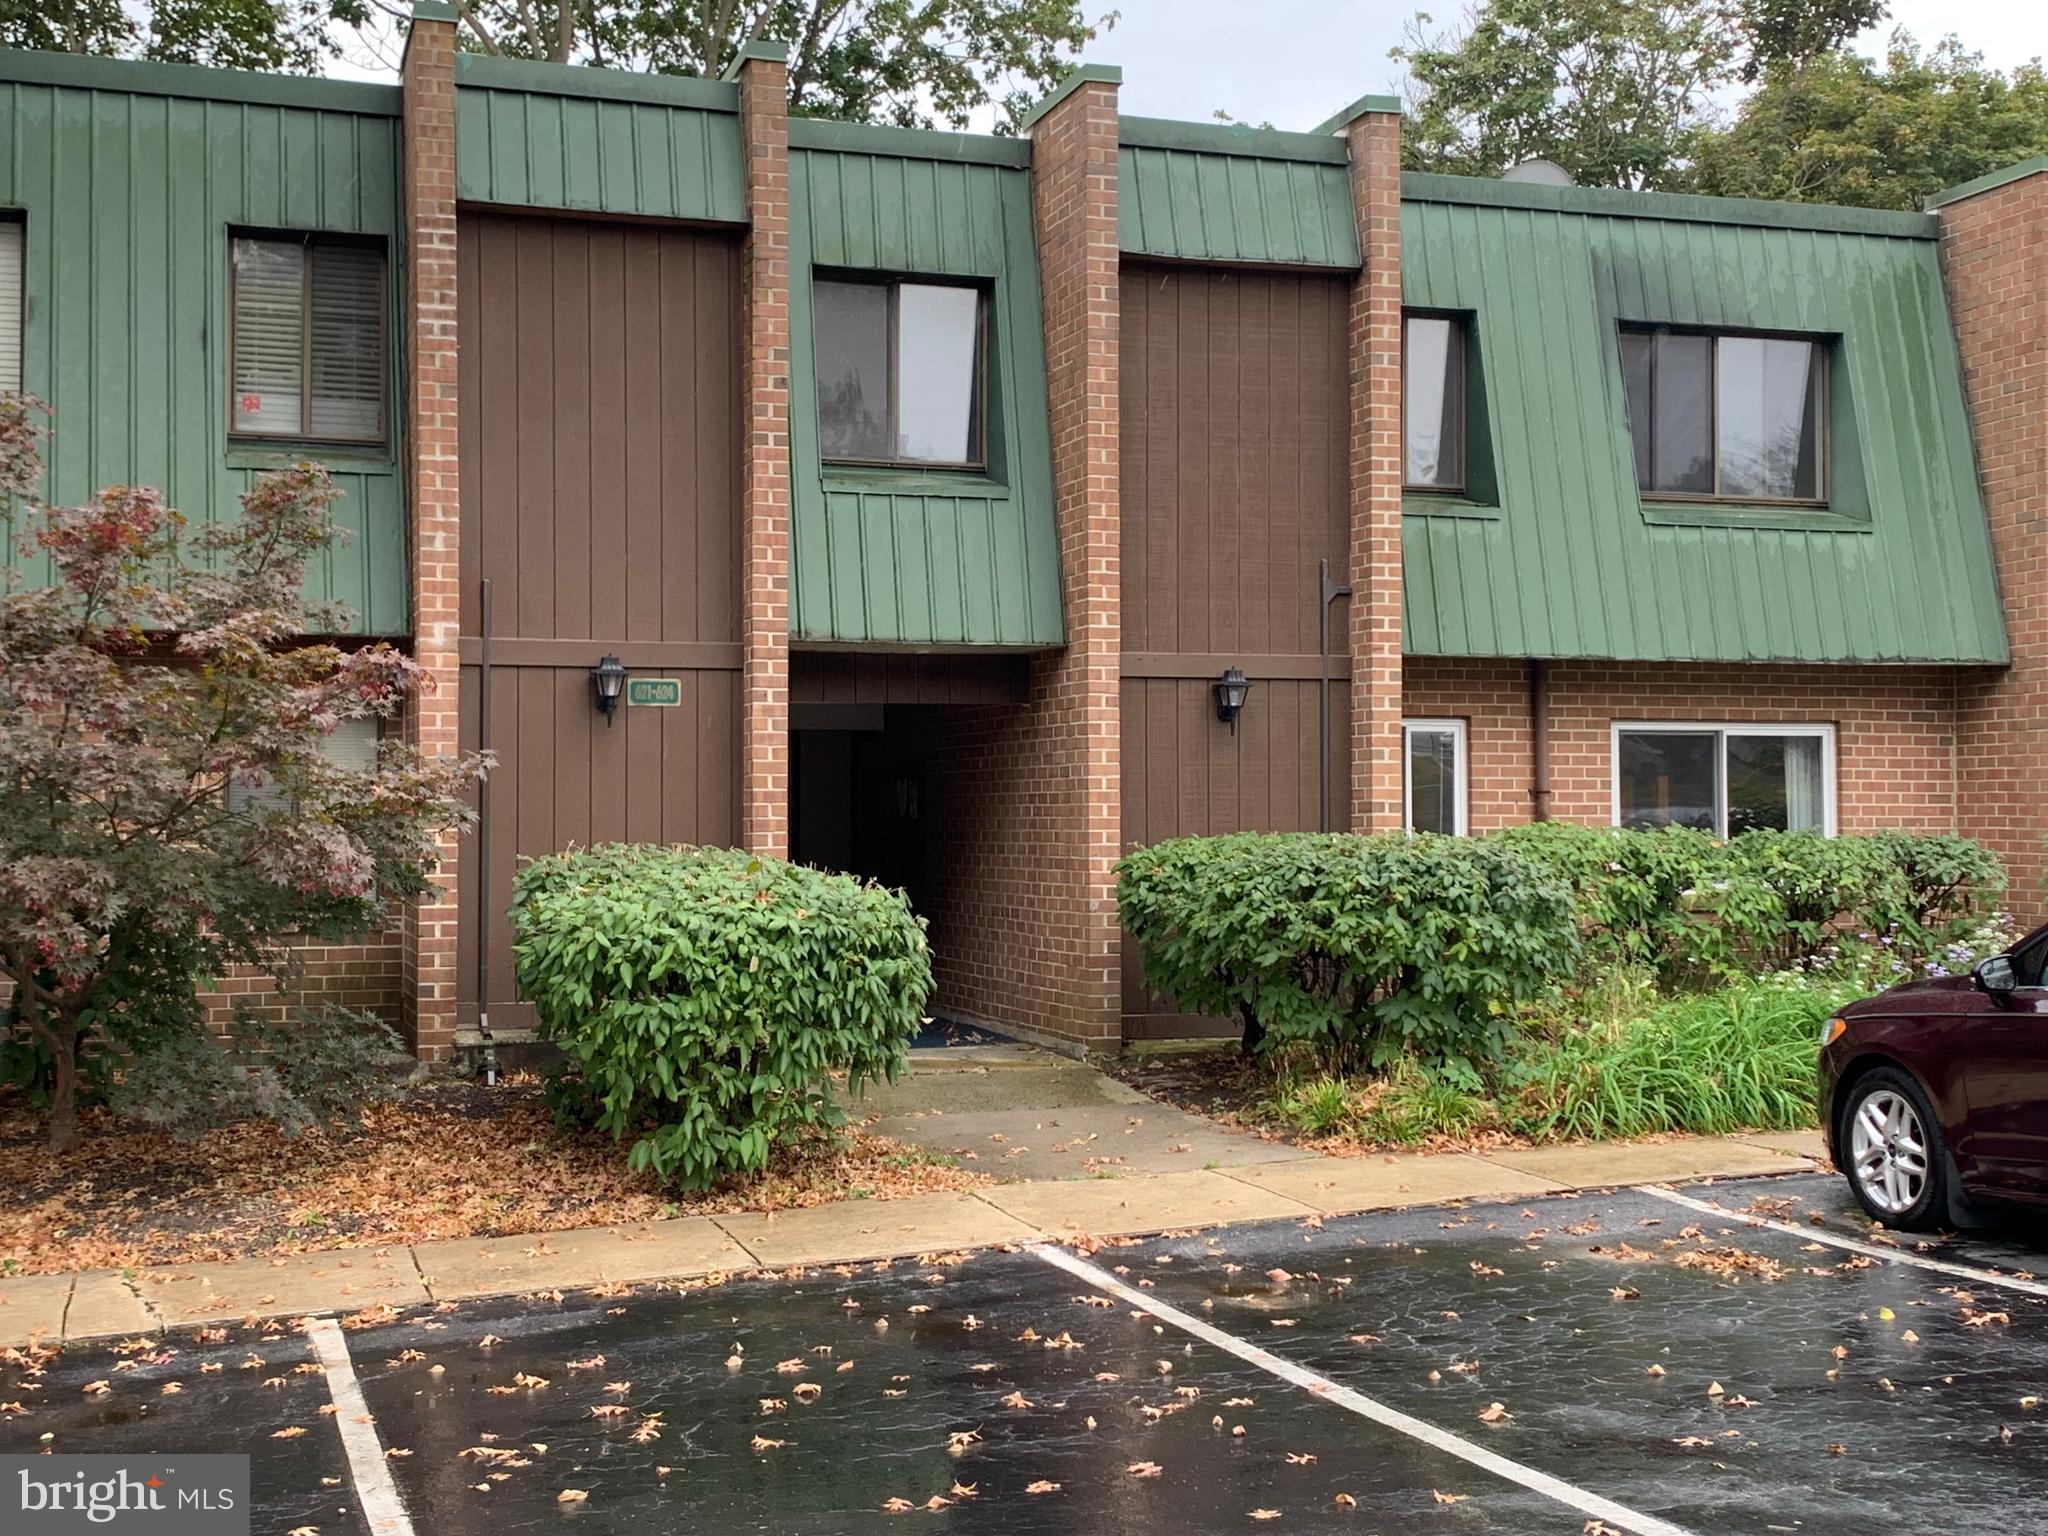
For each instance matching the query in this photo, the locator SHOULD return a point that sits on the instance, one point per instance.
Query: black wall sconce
(1231, 689)
(608, 681)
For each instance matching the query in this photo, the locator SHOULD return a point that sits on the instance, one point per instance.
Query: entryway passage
(1620, 1362)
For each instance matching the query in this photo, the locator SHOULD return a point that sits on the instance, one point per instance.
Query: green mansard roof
(1567, 560)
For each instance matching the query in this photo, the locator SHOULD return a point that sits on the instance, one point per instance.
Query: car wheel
(1895, 1157)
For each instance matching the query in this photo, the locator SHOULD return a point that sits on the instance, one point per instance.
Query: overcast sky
(1300, 60)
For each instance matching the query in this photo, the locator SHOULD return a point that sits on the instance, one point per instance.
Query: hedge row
(1376, 947)
(702, 995)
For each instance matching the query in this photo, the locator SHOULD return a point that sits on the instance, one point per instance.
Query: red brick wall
(764, 463)
(1896, 738)
(1027, 934)
(1995, 260)
(432, 724)
(368, 975)
(1374, 139)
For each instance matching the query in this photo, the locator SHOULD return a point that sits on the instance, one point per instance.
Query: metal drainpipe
(483, 840)
(1539, 738)
(1330, 591)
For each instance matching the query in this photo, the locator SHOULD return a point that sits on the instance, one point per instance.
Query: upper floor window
(10, 304)
(308, 338)
(901, 371)
(1433, 402)
(1727, 417)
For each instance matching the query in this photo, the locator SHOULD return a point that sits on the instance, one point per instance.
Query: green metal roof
(1988, 182)
(1220, 193)
(597, 141)
(1569, 561)
(127, 197)
(907, 557)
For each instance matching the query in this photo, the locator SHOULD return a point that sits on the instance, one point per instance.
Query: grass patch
(1741, 1058)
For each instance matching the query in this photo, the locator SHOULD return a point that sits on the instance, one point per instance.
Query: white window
(1433, 775)
(1725, 778)
(10, 304)
(1433, 402)
(308, 340)
(352, 745)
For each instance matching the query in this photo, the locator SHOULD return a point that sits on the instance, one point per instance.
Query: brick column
(432, 724)
(1994, 250)
(763, 73)
(1075, 693)
(1372, 133)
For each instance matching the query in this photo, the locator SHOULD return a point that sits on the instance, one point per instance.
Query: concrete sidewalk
(1261, 1181)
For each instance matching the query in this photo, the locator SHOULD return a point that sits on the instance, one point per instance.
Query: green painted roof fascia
(686, 91)
(434, 10)
(1987, 183)
(1674, 207)
(1576, 565)
(1086, 74)
(1229, 139)
(146, 77)
(908, 143)
(1338, 121)
(1183, 205)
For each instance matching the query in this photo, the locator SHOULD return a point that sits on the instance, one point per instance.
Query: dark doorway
(857, 797)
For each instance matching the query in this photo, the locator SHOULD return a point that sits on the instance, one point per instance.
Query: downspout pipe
(1539, 739)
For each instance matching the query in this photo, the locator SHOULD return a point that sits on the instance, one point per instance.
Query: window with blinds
(11, 231)
(308, 340)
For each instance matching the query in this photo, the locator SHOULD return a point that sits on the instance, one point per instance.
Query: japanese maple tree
(156, 667)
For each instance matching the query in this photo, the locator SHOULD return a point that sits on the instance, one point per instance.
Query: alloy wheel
(1888, 1151)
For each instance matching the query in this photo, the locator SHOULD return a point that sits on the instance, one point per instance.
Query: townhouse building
(964, 511)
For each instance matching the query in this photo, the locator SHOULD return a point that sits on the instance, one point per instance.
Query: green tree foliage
(1845, 129)
(1612, 90)
(915, 63)
(233, 34)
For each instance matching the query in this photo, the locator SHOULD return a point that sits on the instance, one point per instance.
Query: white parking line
(1590, 1505)
(1873, 1250)
(366, 1464)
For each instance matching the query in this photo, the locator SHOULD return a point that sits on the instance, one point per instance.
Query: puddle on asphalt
(790, 1407)
(1853, 1393)
(242, 1393)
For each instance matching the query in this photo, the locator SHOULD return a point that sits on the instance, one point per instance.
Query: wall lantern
(608, 681)
(1231, 689)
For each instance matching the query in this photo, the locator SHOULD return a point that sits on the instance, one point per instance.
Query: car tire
(1894, 1154)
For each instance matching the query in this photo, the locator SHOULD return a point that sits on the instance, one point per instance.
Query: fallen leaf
(572, 1496)
(1494, 1413)
(1144, 1469)
(1042, 1486)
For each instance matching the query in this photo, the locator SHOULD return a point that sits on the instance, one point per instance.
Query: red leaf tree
(160, 666)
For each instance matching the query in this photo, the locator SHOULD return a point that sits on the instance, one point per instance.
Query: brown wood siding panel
(600, 459)
(847, 677)
(1234, 485)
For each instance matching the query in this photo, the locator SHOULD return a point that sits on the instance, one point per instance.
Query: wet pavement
(1852, 1393)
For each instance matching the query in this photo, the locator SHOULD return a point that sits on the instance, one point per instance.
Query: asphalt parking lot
(1625, 1361)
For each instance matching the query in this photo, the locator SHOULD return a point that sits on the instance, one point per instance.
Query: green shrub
(1695, 908)
(702, 995)
(1367, 948)
(1740, 1058)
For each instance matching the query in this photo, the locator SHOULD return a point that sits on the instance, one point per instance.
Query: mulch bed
(451, 1159)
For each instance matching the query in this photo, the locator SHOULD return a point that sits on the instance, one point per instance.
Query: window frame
(1722, 730)
(893, 283)
(1823, 351)
(307, 239)
(16, 219)
(1461, 330)
(1461, 774)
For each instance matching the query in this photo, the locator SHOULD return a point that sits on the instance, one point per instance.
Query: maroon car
(1935, 1094)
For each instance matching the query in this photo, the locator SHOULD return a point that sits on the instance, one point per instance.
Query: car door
(2005, 1083)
